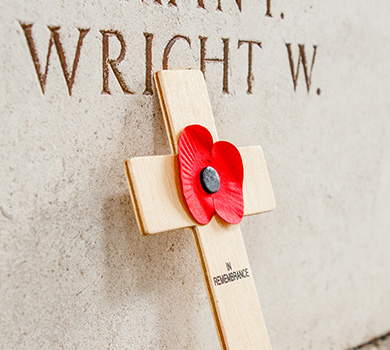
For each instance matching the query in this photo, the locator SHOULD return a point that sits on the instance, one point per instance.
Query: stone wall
(75, 271)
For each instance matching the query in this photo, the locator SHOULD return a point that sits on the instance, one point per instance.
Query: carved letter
(225, 61)
(302, 58)
(268, 13)
(148, 65)
(54, 36)
(69, 78)
(219, 7)
(250, 77)
(173, 2)
(168, 48)
(113, 63)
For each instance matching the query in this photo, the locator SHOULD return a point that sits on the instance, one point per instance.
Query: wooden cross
(155, 190)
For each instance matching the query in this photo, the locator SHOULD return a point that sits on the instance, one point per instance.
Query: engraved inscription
(250, 77)
(169, 46)
(106, 61)
(219, 7)
(112, 68)
(201, 5)
(268, 13)
(230, 276)
(224, 60)
(112, 64)
(302, 60)
(54, 37)
(148, 64)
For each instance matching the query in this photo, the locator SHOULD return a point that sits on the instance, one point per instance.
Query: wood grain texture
(184, 101)
(258, 193)
(237, 307)
(154, 185)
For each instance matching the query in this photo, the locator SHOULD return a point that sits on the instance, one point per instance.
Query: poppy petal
(229, 203)
(201, 207)
(229, 200)
(195, 145)
(228, 162)
(196, 140)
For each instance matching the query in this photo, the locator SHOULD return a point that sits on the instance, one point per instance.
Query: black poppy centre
(209, 179)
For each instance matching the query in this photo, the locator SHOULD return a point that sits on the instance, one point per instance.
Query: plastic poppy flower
(211, 176)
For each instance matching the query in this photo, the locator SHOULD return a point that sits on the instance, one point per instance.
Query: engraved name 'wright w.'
(111, 64)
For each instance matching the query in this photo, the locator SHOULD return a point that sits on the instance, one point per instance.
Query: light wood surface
(167, 211)
(154, 185)
(238, 313)
(184, 101)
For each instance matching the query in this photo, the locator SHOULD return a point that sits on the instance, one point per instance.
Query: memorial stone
(309, 81)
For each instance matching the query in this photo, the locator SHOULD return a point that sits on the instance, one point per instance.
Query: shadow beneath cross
(154, 283)
(148, 280)
(160, 137)
(146, 277)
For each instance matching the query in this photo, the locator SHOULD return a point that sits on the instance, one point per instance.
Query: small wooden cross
(156, 194)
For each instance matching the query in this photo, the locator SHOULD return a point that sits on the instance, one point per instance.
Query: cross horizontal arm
(154, 186)
(156, 193)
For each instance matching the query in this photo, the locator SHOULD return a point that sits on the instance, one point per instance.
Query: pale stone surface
(75, 272)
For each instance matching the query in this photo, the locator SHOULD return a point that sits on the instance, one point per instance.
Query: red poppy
(211, 176)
